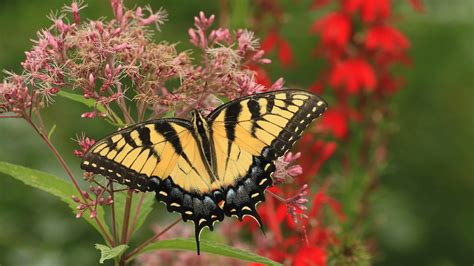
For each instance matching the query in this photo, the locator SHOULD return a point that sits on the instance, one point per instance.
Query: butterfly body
(209, 167)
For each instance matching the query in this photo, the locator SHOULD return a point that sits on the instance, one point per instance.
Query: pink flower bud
(139, 12)
(108, 71)
(75, 13)
(116, 32)
(85, 194)
(121, 47)
(149, 20)
(93, 214)
(277, 85)
(79, 214)
(109, 200)
(295, 170)
(88, 115)
(99, 26)
(54, 90)
(78, 153)
(91, 80)
(75, 199)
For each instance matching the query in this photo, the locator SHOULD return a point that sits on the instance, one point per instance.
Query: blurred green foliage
(423, 211)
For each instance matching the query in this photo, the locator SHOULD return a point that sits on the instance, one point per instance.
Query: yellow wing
(161, 149)
(162, 156)
(249, 134)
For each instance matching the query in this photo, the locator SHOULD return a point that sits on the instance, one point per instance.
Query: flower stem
(123, 107)
(126, 216)
(277, 196)
(135, 216)
(114, 223)
(70, 174)
(150, 240)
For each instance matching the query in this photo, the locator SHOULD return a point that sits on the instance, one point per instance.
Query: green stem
(126, 216)
(149, 241)
(135, 216)
(123, 107)
(114, 223)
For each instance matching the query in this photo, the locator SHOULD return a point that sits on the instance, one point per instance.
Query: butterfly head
(199, 122)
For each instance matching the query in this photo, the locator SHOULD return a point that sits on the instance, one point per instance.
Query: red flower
(323, 199)
(386, 39)
(335, 122)
(315, 153)
(269, 42)
(310, 256)
(371, 10)
(285, 54)
(335, 29)
(284, 51)
(353, 74)
(388, 84)
(316, 87)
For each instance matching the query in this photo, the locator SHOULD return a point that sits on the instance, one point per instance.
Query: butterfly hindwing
(250, 133)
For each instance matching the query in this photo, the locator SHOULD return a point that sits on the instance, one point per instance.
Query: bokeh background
(424, 208)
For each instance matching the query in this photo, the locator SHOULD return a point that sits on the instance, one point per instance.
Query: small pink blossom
(285, 171)
(296, 205)
(84, 143)
(89, 115)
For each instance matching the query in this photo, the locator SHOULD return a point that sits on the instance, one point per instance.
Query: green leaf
(53, 185)
(89, 103)
(80, 99)
(107, 253)
(209, 247)
(145, 209)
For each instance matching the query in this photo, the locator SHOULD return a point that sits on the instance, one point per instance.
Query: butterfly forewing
(249, 134)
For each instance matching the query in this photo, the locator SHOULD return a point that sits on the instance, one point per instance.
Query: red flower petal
(387, 39)
(370, 10)
(310, 256)
(270, 41)
(317, 87)
(335, 122)
(285, 54)
(353, 74)
(321, 199)
(335, 30)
